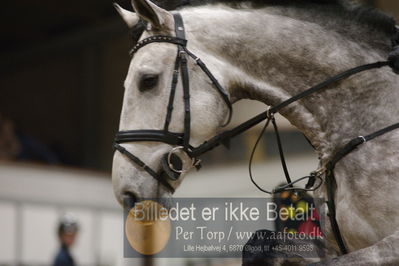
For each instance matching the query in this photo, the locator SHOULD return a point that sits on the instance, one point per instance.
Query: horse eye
(148, 81)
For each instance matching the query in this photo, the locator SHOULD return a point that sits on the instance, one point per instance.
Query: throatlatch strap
(215, 83)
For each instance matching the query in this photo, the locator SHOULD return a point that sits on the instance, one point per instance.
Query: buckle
(194, 162)
(363, 139)
(319, 172)
(269, 114)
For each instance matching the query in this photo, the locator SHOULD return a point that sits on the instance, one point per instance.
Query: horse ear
(129, 17)
(150, 12)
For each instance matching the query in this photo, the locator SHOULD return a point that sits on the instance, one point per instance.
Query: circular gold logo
(148, 227)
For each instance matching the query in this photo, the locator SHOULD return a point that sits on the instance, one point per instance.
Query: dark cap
(67, 224)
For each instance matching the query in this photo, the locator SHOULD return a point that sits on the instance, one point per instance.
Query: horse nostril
(129, 200)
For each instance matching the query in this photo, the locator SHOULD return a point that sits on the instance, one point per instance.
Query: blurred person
(67, 232)
(17, 146)
(9, 144)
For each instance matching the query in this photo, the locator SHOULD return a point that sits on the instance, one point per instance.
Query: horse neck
(263, 55)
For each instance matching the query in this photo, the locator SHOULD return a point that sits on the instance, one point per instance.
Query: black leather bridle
(172, 165)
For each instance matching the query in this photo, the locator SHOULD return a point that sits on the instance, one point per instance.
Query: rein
(172, 165)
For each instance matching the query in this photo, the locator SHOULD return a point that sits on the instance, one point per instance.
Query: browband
(157, 38)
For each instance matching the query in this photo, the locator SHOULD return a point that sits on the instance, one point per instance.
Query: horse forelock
(138, 30)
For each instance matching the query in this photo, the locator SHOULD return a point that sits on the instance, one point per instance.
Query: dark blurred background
(62, 68)
(61, 77)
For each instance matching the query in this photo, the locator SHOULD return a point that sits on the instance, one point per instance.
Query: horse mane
(373, 18)
(175, 4)
(342, 9)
